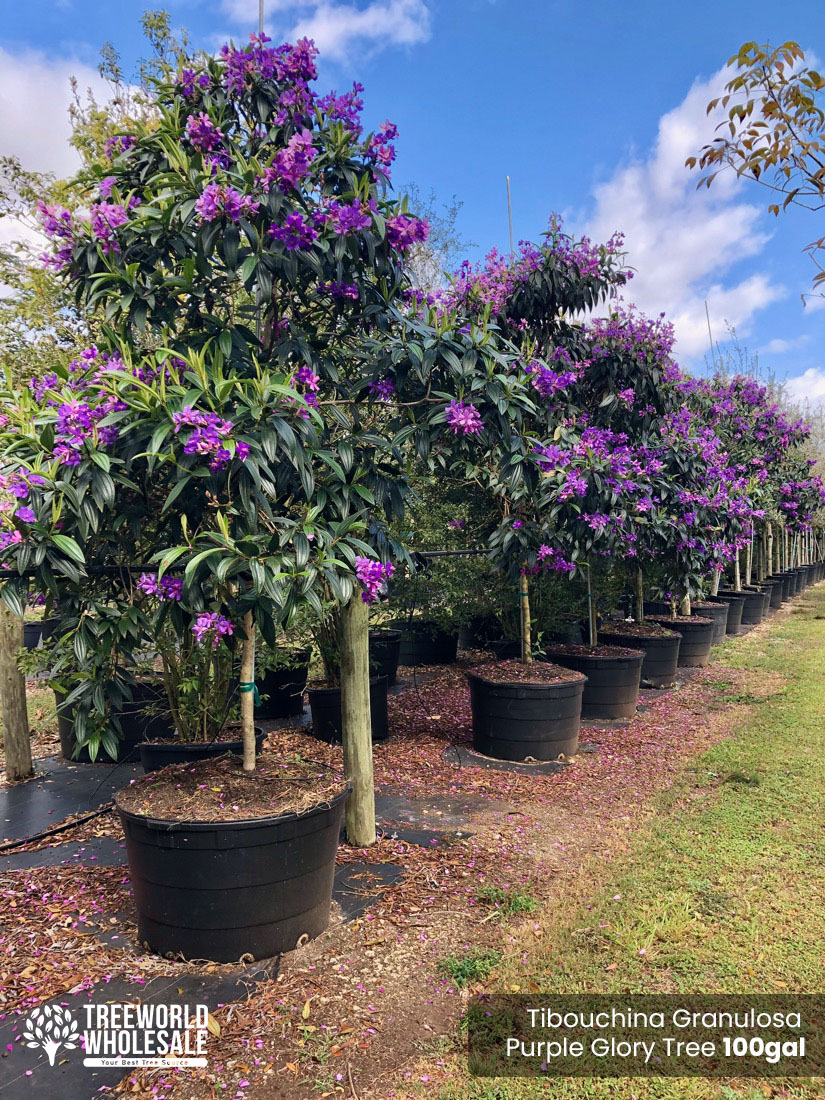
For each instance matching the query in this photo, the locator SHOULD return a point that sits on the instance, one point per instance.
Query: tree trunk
(16, 740)
(355, 721)
(684, 607)
(640, 596)
(714, 584)
(591, 611)
(737, 576)
(248, 693)
(526, 623)
(749, 559)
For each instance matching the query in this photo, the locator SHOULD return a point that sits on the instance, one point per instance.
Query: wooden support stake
(248, 696)
(526, 620)
(16, 740)
(355, 721)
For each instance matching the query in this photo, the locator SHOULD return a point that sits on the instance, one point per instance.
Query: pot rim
(170, 825)
(581, 679)
(330, 690)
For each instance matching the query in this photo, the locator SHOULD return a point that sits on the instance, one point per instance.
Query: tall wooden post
(640, 595)
(737, 576)
(526, 618)
(355, 721)
(248, 693)
(16, 740)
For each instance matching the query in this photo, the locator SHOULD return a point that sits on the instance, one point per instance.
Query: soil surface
(592, 651)
(636, 630)
(680, 619)
(514, 672)
(220, 790)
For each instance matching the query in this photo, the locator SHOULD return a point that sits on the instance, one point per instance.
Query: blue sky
(590, 108)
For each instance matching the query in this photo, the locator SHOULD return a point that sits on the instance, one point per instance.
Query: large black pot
(781, 585)
(284, 687)
(505, 649)
(612, 688)
(232, 888)
(385, 649)
(158, 754)
(479, 632)
(145, 718)
(736, 603)
(518, 720)
(424, 643)
(697, 638)
(801, 579)
(752, 608)
(716, 610)
(34, 632)
(325, 704)
(661, 654)
(773, 585)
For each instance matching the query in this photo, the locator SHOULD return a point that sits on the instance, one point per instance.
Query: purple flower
(372, 575)
(117, 145)
(517, 524)
(211, 624)
(340, 290)
(106, 218)
(292, 165)
(217, 200)
(403, 230)
(295, 233)
(383, 390)
(168, 588)
(204, 133)
(463, 418)
(26, 515)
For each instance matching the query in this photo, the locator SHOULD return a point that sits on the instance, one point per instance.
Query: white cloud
(808, 387)
(34, 103)
(337, 28)
(683, 241)
(779, 346)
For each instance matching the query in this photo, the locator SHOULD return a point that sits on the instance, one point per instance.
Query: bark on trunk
(684, 607)
(714, 584)
(248, 693)
(16, 740)
(526, 623)
(355, 721)
(640, 596)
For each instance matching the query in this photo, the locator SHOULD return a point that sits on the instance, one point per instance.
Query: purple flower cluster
(189, 82)
(292, 165)
(372, 575)
(463, 418)
(211, 625)
(203, 133)
(551, 559)
(380, 147)
(404, 230)
(115, 146)
(167, 588)
(340, 290)
(59, 228)
(296, 232)
(209, 436)
(106, 217)
(383, 390)
(345, 108)
(219, 200)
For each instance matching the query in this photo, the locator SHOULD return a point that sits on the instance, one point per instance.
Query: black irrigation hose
(55, 829)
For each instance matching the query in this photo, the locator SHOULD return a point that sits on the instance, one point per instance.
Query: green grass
(474, 966)
(725, 893)
(506, 903)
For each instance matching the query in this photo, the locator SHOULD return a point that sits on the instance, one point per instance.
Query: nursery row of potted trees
(240, 453)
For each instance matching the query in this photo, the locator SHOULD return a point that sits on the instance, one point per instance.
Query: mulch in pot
(515, 672)
(220, 790)
(592, 651)
(633, 629)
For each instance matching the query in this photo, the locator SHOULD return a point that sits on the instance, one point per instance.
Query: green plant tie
(245, 685)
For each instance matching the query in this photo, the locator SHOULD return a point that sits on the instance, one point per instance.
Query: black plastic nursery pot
(781, 585)
(34, 632)
(752, 608)
(697, 638)
(505, 649)
(736, 603)
(613, 679)
(325, 704)
(716, 610)
(232, 888)
(424, 643)
(282, 689)
(661, 654)
(158, 754)
(774, 586)
(142, 719)
(385, 649)
(520, 721)
(479, 632)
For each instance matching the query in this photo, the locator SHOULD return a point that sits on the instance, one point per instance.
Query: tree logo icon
(51, 1027)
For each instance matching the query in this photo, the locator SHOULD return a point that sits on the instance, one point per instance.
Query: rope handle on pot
(246, 685)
